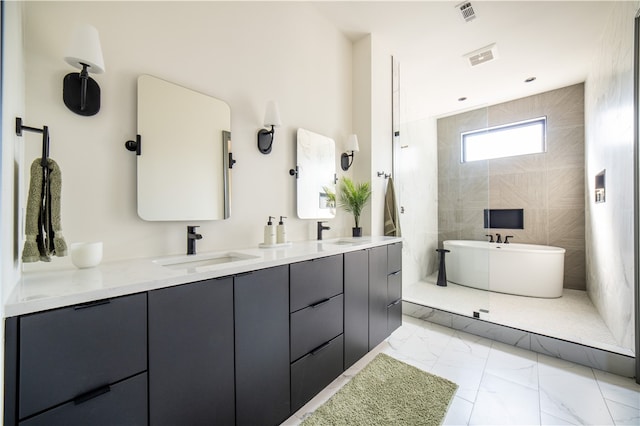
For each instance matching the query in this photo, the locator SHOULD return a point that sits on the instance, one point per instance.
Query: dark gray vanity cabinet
(394, 287)
(378, 298)
(83, 364)
(262, 346)
(385, 292)
(191, 357)
(317, 325)
(356, 306)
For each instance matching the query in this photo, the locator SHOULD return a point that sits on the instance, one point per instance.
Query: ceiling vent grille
(483, 55)
(466, 10)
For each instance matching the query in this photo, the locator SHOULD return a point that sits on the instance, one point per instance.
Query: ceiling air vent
(465, 8)
(480, 56)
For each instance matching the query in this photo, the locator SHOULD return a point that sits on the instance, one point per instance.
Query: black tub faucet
(321, 228)
(506, 239)
(192, 236)
(498, 238)
(490, 237)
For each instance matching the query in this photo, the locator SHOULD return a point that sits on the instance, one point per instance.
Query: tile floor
(501, 384)
(572, 317)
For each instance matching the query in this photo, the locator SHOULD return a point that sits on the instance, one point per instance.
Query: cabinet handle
(394, 303)
(92, 304)
(92, 394)
(322, 302)
(395, 273)
(320, 348)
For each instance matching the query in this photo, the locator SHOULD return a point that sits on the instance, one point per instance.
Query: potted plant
(353, 198)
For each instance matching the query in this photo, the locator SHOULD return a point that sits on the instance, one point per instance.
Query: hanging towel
(43, 227)
(391, 219)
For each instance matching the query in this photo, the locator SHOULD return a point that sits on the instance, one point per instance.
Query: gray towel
(391, 219)
(43, 227)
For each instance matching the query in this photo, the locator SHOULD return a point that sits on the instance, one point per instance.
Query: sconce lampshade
(272, 115)
(352, 144)
(84, 48)
(81, 93)
(346, 159)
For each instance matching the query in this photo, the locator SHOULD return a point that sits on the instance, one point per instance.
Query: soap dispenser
(270, 232)
(281, 231)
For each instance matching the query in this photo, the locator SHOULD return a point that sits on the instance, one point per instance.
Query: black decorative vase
(357, 232)
(442, 270)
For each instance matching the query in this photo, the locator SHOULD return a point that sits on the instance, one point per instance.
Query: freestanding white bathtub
(520, 269)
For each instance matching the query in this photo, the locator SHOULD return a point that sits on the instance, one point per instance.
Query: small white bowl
(86, 255)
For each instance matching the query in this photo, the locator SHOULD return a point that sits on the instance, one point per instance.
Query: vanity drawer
(314, 280)
(67, 352)
(394, 286)
(123, 403)
(315, 325)
(394, 257)
(310, 374)
(394, 316)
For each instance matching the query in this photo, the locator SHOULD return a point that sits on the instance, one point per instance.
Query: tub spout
(498, 238)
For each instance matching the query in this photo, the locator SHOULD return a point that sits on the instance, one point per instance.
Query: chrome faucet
(321, 228)
(192, 236)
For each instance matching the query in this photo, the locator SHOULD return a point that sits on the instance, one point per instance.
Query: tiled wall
(609, 119)
(548, 186)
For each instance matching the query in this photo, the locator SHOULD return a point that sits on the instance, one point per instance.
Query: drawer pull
(395, 273)
(320, 348)
(92, 394)
(322, 302)
(92, 304)
(394, 303)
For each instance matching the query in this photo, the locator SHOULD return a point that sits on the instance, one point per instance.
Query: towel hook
(45, 137)
(382, 173)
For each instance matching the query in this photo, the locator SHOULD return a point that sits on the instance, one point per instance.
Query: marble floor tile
(505, 402)
(571, 392)
(499, 383)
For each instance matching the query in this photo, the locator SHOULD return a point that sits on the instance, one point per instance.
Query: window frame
(500, 128)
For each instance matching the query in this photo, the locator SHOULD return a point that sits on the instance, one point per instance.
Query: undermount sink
(198, 261)
(349, 241)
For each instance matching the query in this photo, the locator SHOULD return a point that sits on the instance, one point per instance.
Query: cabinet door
(67, 352)
(377, 296)
(191, 354)
(262, 346)
(356, 306)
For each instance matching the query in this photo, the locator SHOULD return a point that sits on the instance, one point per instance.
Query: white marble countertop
(43, 290)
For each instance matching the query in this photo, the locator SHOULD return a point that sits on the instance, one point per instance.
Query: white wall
(609, 145)
(244, 53)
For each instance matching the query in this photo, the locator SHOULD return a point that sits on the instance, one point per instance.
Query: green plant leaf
(353, 197)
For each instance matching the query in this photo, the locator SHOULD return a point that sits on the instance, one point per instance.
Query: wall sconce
(271, 118)
(81, 93)
(346, 160)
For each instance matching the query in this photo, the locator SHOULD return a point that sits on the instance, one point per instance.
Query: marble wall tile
(609, 146)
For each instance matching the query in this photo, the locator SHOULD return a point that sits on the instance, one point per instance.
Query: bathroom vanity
(244, 337)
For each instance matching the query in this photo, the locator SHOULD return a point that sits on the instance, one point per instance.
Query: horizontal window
(509, 140)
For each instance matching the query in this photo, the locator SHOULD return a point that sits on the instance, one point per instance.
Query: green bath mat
(387, 392)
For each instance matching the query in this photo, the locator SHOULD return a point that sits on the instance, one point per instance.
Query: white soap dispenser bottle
(281, 231)
(270, 232)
